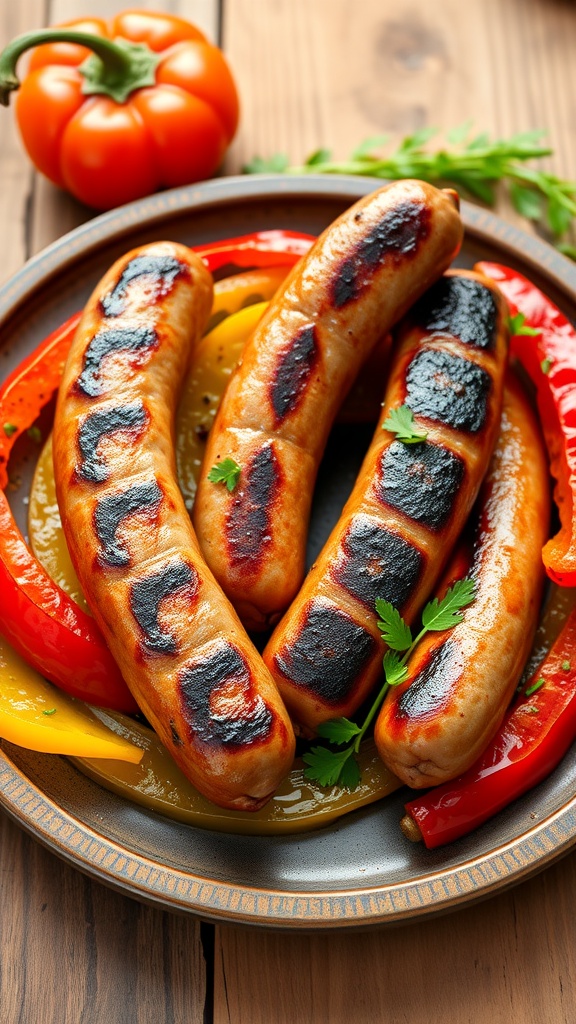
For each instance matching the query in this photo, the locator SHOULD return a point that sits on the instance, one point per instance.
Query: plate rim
(134, 874)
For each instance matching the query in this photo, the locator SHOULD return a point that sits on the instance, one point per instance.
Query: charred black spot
(200, 684)
(98, 425)
(375, 562)
(293, 372)
(145, 598)
(420, 480)
(112, 509)
(176, 737)
(329, 653)
(161, 270)
(461, 307)
(248, 522)
(431, 688)
(448, 389)
(120, 339)
(396, 237)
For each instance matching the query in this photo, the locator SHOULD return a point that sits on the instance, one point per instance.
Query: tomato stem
(115, 68)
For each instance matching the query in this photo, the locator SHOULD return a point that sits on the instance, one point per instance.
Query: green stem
(114, 68)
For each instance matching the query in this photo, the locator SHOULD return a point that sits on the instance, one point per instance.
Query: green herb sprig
(340, 767)
(474, 163)
(517, 325)
(226, 472)
(400, 421)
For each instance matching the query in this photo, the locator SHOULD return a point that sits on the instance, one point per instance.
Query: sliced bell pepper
(530, 743)
(36, 715)
(549, 357)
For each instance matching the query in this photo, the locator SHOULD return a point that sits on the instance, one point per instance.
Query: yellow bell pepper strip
(298, 805)
(36, 715)
(240, 290)
(212, 363)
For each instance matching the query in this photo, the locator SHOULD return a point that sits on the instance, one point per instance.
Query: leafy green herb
(49, 711)
(9, 429)
(472, 162)
(566, 666)
(340, 767)
(401, 422)
(226, 472)
(537, 685)
(35, 434)
(546, 365)
(517, 325)
(530, 709)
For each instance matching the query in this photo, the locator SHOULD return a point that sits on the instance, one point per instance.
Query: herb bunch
(339, 767)
(474, 163)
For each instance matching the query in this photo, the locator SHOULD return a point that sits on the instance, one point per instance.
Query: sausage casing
(436, 724)
(408, 505)
(358, 279)
(178, 642)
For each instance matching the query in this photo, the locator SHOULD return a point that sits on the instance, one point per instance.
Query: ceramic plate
(360, 871)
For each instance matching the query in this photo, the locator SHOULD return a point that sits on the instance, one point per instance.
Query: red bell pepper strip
(533, 739)
(37, 617)
(549, 358)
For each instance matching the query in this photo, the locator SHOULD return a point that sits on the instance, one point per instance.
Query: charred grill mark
(461, 307)
(161, 271)
(98, 425)
(219, 702)
(248, 521)
(328, 654)
(146, 595)
(420, 480)
(375, 562)
(293, 372)
(112, 509)
(448, 389)
(396, 237)
(430, 690)
(104, 343)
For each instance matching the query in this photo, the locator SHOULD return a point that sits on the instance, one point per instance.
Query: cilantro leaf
(350, 774)
(226, 472)
(394, 630)
(338, 730)
(324, 765)
(526, 201)
(401, 422)
(394, 671)
(440, 615)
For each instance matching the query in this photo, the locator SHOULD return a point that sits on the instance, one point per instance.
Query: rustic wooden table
(310, 72)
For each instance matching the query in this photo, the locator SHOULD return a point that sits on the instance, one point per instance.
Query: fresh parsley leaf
(350, 774)
(394, 630)
(401, 422)
(226, 472)
(394, 671)
(440, 615)
(517, 325)
(324, 765)
(546, 365)
(276, 164)
(338, 730)
(49, 711)
(559, 214)
(565, 666)
(321, 156)
(526, 201)
(367, 146)
(9, 429)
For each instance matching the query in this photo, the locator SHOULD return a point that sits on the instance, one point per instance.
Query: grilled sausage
(408, 505)
(177, 640)
(357, 280)
(436, 724)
